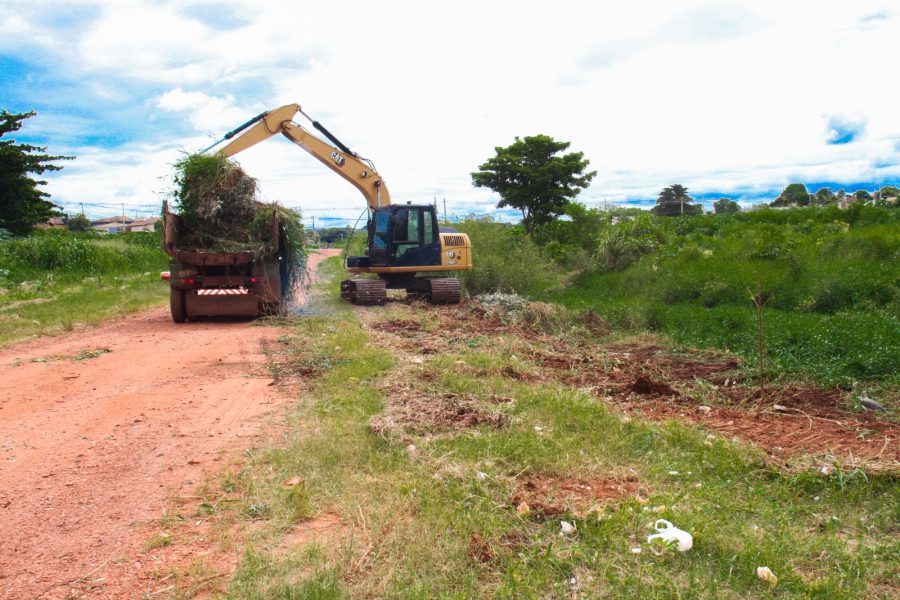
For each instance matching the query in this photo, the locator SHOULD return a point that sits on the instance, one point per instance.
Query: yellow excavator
(404, 240)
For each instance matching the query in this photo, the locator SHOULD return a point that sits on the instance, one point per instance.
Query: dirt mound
(793, 434)
(647, 387)
(413, 412)
(398, 326)
(709, 366)
(551, 495)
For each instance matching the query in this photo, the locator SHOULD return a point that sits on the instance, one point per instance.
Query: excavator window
(382, 226)
(406, 230)
(428, 227)
(406, 226)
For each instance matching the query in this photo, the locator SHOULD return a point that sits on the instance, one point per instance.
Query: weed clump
(219, 211)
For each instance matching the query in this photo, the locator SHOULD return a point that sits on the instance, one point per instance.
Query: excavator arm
(338, 158)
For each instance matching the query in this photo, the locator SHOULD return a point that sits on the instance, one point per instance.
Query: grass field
(831, 280)
(410, 506)
(54, 280)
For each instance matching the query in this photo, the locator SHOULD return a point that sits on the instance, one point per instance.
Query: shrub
(505, 259)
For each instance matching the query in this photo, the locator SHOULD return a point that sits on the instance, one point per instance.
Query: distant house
(54, 223)
(845, 202)
(123, 223)
(144, 224)
(113, 224)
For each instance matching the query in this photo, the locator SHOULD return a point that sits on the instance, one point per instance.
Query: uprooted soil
(548, 496)
(641, 376)
(409, 411)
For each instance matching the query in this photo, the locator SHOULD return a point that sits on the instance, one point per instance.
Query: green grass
(831, 279)
(55, 280)
(410, 513)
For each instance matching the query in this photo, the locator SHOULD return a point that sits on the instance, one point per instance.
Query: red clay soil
(549, 496)
(788, 435)
(92, 451)
(651, 379)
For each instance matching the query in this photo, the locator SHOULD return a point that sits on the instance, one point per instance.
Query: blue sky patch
(217, 16)
(843, 130)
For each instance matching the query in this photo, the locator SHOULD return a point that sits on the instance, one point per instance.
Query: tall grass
(66, 255)
(54, 279)
(506, 260)
(833, 278)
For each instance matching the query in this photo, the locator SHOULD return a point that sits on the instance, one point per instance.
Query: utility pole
(445, 210)
(314, 222)
(82, 208)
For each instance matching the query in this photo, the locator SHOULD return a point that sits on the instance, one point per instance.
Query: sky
(728, 98)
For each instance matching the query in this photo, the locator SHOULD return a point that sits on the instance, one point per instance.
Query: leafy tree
(673, 201)
(724, 206)
(531, 176)
(793, 194)
(22, 204)
(840, 194)
(79, 223)
(862, 195)
(889, 191)
(824, 195)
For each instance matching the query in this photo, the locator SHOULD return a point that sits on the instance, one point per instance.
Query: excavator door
(414, 237)
(380, 238)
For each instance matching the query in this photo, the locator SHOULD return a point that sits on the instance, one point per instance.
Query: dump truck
(207, 283)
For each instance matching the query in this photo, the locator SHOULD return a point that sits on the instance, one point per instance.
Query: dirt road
(98, 428)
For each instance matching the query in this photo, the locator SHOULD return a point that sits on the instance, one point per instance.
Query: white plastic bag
(670, 534)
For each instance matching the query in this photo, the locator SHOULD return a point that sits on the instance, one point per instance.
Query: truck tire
(176, 305)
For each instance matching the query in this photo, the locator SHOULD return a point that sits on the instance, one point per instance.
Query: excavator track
(439, 290)
(364, 292)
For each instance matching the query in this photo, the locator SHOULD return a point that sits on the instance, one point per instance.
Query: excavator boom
(339, 159)
(403, 240)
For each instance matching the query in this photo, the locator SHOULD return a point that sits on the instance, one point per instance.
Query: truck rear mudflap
(220, 303)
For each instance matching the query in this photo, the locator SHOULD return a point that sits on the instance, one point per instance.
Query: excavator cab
(401, 236)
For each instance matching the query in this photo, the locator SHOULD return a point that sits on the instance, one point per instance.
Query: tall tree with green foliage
(888, 191)
(793, 194)
(673, 201)
(724, 206)
(530, 175)
(22, 204)
(79, 223)
(823, 196)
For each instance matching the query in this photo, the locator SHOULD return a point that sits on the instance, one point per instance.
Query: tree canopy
(794, 193)
(22, 204)
(673, 201)
(725, 206)
(79, 223)
(531, 176)
(889, 191)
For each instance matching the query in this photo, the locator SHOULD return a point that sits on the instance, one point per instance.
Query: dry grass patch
(409, 411)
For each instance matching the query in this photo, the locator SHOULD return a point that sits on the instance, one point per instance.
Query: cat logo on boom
(337, 158)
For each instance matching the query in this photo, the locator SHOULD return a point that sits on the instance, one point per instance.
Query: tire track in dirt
(92, 449)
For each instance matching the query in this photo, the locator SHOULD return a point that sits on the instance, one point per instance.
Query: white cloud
(723, 97)
(205, 113)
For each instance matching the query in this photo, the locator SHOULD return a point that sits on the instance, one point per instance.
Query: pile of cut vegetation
(219, 212)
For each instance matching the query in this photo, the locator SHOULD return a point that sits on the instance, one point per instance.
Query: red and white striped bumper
(223, 292)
